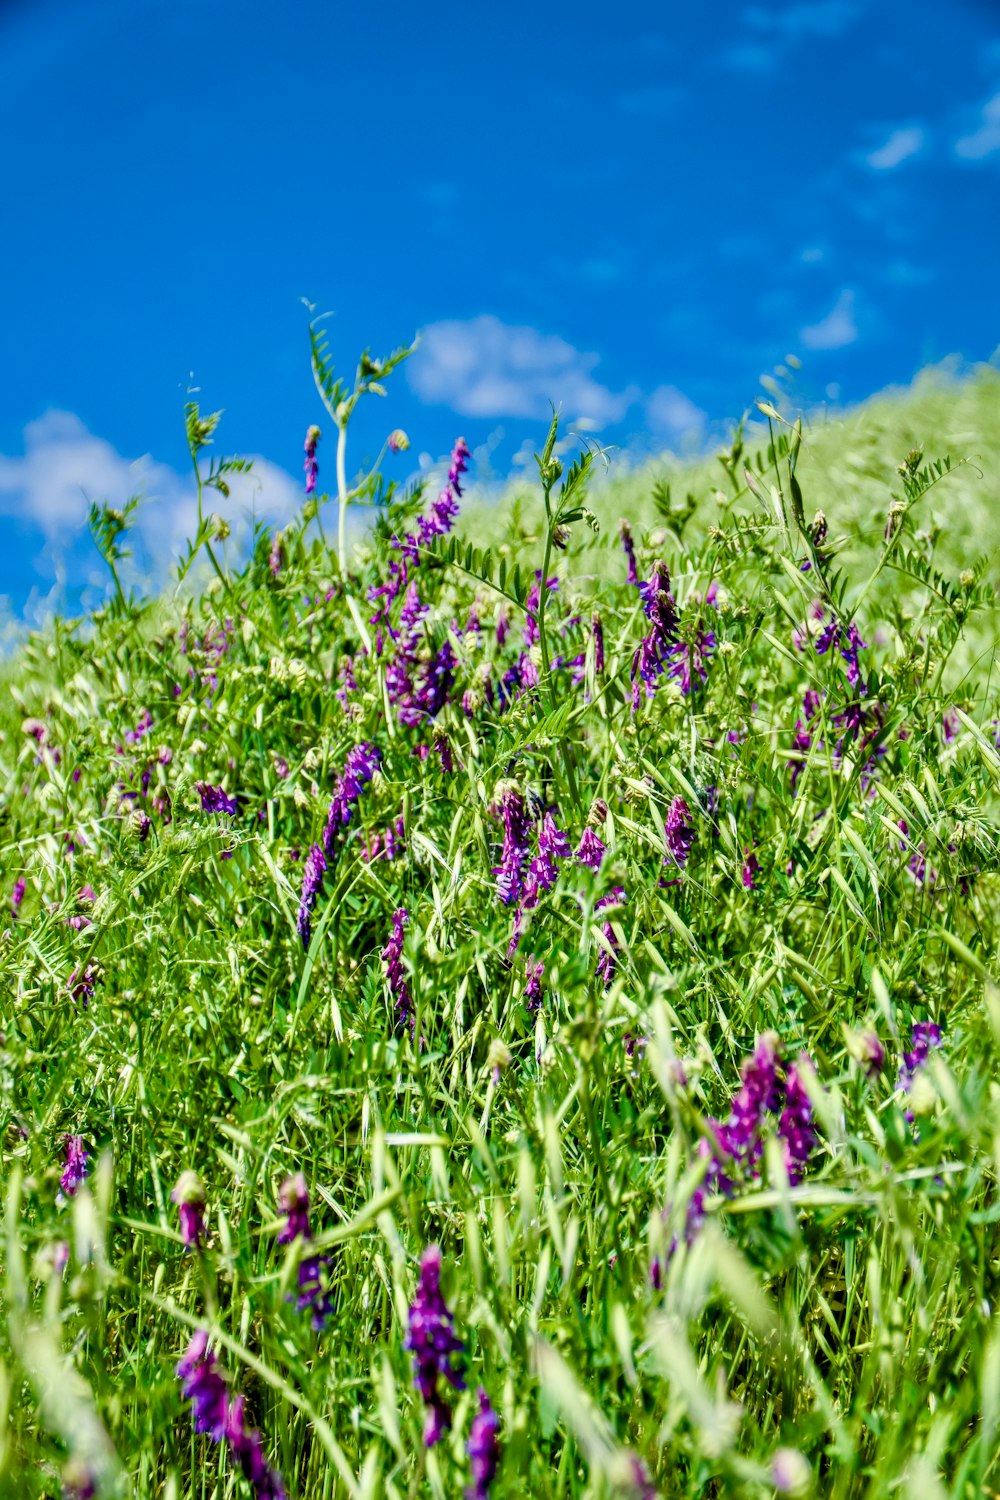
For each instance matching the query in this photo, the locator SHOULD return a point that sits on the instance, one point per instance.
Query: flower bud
(397, 441)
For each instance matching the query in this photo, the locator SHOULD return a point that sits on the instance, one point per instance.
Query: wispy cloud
(674, 417)
(483, 367)
(983, 141)
(901, 145)
(65, 466)
(813, 18)
(837, 329)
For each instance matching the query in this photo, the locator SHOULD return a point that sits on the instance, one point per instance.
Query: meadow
(510, 1005)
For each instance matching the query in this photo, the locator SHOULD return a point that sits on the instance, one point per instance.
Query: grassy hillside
(464, 1036)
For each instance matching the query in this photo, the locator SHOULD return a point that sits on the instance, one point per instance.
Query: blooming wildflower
(311, 464)
(276, 555)
(397, 441)
(535, 973)
(189, 1195)
(81, 986)
(661, 611)
(222, 1418)
(483, 1448)
(17, 894)
(531, 604)
(360, 765)
(866, 1049)
(431, 1339)
(795, 1127)
(510, 871)
(750, 870)
(790, 1472)
(202, 1384)
(759, 1094)
(445, 508)
(247, 1448)
(597, 630)
(542, 875)
(950, 726)
(315, 1295)
(75, 1170)
(926, 1035)
(294, 1200)
(679, 832)
(591, 849)
(215, 800)
(313, 871)
(392, 957)
(625, 533)
(607, 959)
(688, 660)
(503, 625)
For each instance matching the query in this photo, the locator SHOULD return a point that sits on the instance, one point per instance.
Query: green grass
(553, 1156)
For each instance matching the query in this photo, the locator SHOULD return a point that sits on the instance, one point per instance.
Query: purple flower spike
(360, 764)
(215, 800)
(651, 654)
(689, 659)
(202, 1384)
(189, 1195)
(795, 1127)
(597, 630)
(625, 532)
(926, 1035)
(432, 1341)
(750, 871)
(311, 465)
(313, 870)
(293, 1198)
(17, 894)
(510, 871)
(591, 849)
(75, 1170)
(607, 960)
(392, 957)
(679, 833)
(552, 845)
(535, 973)
(759, 1094)
(247, 1449)
(483, 1448)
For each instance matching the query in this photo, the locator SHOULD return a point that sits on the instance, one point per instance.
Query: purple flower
(313, 870)
(215, 800)
(311, 465)
(79, 1480)
(17, 894)
(189, 1195)
(661, 611)
(950, 726)
(293, 1199)
(759, 1094)
(591, 849)
(360, 765)
(535, 973)
(432, 1341)
(868, 1051)
(679, 833)
(531, 604)
(483, 1448)
(607, 959)
(202, 1384)
(397, 441)
(750, 870)
(597, 630)
(926, 1035)
(222, 1418)
(445, 508)
(82, 986)
(542, 875)
(625, 532)
(275, 559)
(392, 957)
(510, 871)
(248, 1451)
(75, 1170)
(795, 1127)
(689, 659)
(315, 1294)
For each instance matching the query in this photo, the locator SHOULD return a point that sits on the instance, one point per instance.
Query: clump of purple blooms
(926, 1035)
(678, 833)
(392, 957)
(75, 1170)
(311, 464)
(222, 1417)
(625, 532)
(360, 765)
(432, 1340)
(313, 870)
(314, 1294)
(189, 1195)
(215, 800)
(17, 894)
(483, 1448)
(534, 971)
(607, 959)
(509, 807)
(651, 655)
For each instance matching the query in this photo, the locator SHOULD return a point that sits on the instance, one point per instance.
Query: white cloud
(64, 467)
(901, 145)
(984, 141)
(485, 368)
(836, 330)
(672, 415)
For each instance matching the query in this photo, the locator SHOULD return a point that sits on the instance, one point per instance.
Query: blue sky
(634, 211)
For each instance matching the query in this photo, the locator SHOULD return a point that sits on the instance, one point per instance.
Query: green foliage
(836, 1333)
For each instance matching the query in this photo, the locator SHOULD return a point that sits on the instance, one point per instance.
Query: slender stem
(543, 591)
(342, 495)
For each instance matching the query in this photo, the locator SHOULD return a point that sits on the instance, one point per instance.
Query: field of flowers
(516, 1019)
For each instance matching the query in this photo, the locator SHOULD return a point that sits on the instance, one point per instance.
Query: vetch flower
(17, 894)
(926, 1036)
(248, 1450)
(392, 957)
(222, 1417)
(651, 654)
(509, 807)
(483, 1448)
(609, 949)
(215, 800)
(397, 441)
(311, 464)
(591, 849)
(189, 1195)
(679, 833)
(535, 973)
(293, 1198)
(313, 870)
(795, 1127)
(75, 1170)
(625, 533)
(431, 1339)
(360, 765)
(689, 659)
